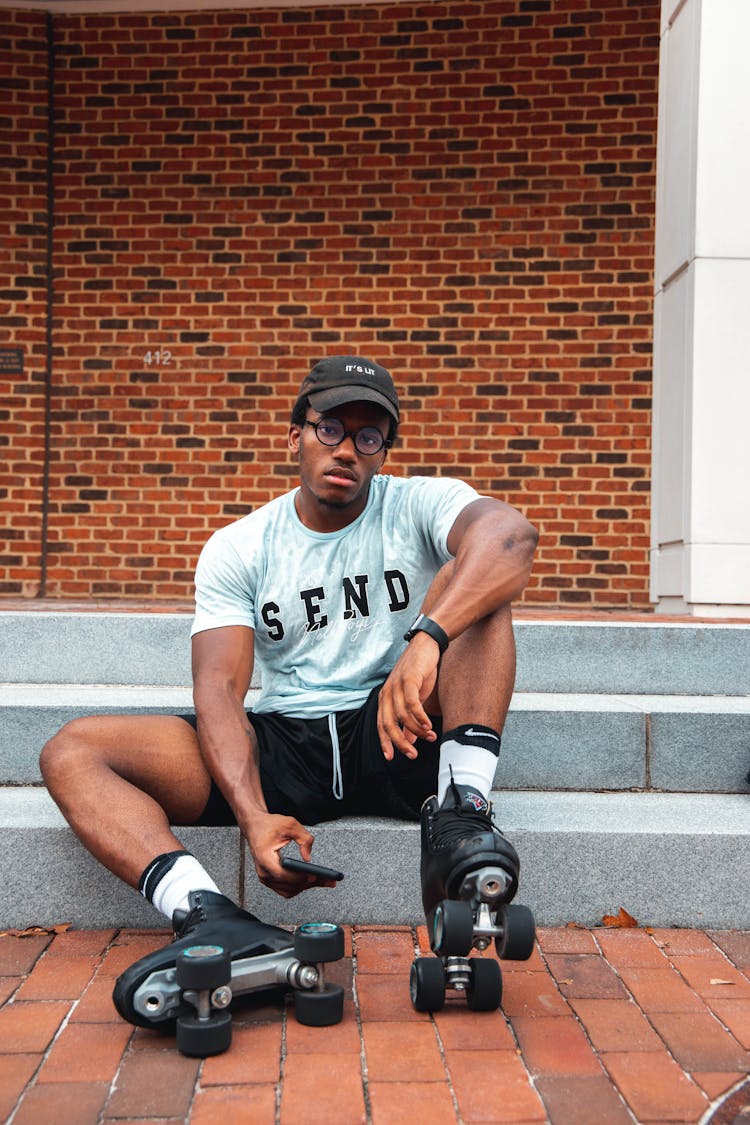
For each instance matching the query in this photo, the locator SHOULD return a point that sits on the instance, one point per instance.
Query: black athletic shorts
(304, 775)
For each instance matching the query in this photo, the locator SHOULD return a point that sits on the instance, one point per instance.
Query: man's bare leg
(121, 780)
(474, 689)
(477, 673)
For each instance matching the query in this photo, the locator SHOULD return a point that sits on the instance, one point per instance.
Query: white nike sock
(468, 756)
(172, 890)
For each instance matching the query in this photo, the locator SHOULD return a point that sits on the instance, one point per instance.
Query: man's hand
(402, 718)
(266, 838)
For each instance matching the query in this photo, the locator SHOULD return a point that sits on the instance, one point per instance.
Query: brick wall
(23, 283)
(462, 191)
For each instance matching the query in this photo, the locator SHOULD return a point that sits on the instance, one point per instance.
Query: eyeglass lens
(330, 431)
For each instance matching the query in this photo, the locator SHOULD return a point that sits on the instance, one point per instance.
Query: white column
(700, 540)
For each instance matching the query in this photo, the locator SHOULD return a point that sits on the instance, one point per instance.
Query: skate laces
(465, 818)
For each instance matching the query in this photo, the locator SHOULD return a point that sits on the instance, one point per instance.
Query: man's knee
(66, 749)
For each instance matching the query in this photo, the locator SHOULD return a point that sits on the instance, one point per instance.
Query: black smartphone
(306, 868)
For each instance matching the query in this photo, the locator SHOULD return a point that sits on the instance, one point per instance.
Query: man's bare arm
(493, 547)
(222, 671)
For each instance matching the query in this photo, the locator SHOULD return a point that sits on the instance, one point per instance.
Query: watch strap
(427, 625)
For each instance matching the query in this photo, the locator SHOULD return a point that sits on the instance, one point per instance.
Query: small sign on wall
(11, 361)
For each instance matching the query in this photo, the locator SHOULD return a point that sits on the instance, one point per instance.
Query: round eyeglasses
(331, 432)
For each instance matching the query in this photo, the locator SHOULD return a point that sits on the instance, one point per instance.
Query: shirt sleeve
(434, 505)
(224, 587)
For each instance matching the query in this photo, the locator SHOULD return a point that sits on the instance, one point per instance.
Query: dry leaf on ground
(621, 920)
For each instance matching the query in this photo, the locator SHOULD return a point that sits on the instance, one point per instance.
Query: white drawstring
(338, 780)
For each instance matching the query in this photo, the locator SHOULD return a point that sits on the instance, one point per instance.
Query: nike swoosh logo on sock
(471, 733)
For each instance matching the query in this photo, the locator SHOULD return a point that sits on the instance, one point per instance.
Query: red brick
(341, 1038)
(493, 1086)
(683, 942)
(30, 1027)
(9, 985)
(385, 996)
(568, 939)
(404, 1103)
(322, 1089)
(700, 1043)
(81, 942)
(96, 1004)
(588, 1100)
(735, 944)
(261, 1008)
(126, 952)
(534, 964)
(254, 1056)
(157, 1082)
(65, 1103)
(143, 1120)
(585, 977)
(734, 1014)
(716, 1084)
(385, 952)
(15, 1072)
(460, 1029)
(232, 1105)
(531, 994)
(713, 978)
(630, 947)
(423, 941)
(616, 1025)
(18, 955)
(555, 1045)
(402, 1052)
(58, 978)
(655, 1087)
(84, 1053)
(660, 990)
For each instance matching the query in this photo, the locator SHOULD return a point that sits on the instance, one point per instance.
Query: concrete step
(551, 740)
(621, 780)
(669, 860)
(556, 655)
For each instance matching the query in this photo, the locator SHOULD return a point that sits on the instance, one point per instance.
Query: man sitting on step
(377, 609)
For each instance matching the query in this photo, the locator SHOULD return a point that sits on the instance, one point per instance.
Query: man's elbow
(531, 534)
(521, 539)
(520, 545)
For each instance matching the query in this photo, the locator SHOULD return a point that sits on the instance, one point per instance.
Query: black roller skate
(221, 951)
(469, 876)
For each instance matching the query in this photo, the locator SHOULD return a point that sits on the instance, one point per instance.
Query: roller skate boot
(221, 951)
(469, 876)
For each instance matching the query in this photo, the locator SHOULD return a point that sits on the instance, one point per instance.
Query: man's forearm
(230, 751)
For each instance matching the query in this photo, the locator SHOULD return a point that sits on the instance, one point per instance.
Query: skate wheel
(485, 988)
(320, 1009)
(199, 1039)
(452, 928)
(319, 941)
(427, 984)
(203, 966)
(516, 943)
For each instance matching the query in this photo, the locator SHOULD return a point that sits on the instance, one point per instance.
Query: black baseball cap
(349, 378)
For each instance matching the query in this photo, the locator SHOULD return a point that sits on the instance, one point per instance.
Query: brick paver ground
(600, 1027)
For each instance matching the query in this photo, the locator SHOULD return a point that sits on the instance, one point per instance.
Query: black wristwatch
(427, 625)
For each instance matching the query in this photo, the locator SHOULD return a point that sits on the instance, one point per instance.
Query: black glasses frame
(353, 434)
